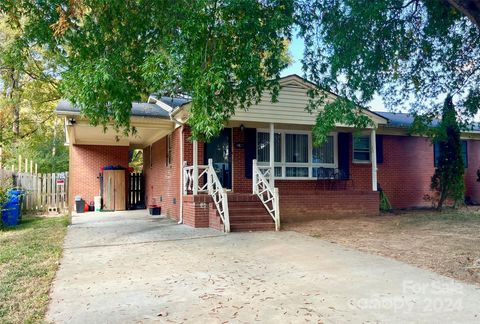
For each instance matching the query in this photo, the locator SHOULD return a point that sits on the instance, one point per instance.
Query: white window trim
(369, 150)
(283, 164)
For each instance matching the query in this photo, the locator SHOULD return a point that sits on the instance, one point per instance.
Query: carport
(92, 148)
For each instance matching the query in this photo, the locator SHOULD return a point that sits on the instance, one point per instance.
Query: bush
(6, 184)
(447, 181)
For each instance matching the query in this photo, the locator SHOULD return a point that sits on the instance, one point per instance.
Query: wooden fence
(43, 192)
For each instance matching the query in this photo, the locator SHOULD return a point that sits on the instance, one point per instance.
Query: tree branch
(470, 8)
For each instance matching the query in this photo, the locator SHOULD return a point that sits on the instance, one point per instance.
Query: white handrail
(267, 194)
(192, 183)
(219, 195)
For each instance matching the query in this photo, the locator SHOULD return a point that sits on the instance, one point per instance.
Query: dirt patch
(445, 242)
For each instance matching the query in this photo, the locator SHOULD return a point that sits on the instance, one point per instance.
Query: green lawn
(29, 255)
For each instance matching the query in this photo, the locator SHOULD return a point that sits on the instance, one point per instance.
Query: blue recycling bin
(12, 211)
(18, 193)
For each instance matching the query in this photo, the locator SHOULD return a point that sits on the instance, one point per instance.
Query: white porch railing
(266, 192)
(194, 182)
(193, 179)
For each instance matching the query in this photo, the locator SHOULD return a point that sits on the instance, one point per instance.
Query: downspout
(182, 158)
(181, 175)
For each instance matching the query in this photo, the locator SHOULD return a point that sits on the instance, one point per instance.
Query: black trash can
(80, 206)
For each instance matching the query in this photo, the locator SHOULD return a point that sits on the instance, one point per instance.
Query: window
(325, 152)
(361, 148)
(323, 156)
(464, 148)
(263, 150)
(263, 147)
(295, 157)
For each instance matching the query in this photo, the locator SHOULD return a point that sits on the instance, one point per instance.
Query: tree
(29, 92)
(222, 53)
(448, 180)
(412, 53)
(226, 53)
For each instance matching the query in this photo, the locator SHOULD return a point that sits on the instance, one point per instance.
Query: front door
(219, 150)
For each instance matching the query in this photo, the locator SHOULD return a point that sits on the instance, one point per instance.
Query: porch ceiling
(148, 130)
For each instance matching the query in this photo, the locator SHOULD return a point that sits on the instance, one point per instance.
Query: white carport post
(373, 158)
(195, 167)
(272, 154)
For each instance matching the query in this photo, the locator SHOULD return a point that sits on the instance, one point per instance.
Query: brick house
(238, 181)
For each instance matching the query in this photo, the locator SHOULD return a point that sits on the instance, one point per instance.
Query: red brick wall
(162, 182)
(406, 170)
(404, 175)
(196, 210)
(200, 211)
(328, 204)
(85, 164)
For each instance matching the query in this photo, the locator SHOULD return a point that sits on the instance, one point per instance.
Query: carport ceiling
(148, 130)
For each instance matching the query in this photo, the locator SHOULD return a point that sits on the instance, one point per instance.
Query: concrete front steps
(247, 213)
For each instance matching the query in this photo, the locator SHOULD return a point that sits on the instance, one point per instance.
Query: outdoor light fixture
(242, 128)
(71, 121)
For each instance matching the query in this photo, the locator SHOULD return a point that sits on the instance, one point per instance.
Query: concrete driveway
(131, 268)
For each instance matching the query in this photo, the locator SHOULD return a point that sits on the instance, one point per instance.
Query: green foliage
(385, 205)
(410, 52)
(222, 53)
(6, 184)
(225, 54)
(448, 180)
(136, 160)
(29, 88)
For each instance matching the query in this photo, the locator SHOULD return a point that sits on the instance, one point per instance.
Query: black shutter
(436, 153)
(464, 153)
(250, 135)
(379, 145)
(343, 153)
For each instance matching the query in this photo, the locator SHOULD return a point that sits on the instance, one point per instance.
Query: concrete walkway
(131, 268)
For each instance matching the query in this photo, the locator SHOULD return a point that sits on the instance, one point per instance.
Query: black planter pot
(154, 210)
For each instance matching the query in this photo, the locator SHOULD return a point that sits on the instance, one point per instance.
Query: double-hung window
(324, 156)
(361, 148)
(295, 156)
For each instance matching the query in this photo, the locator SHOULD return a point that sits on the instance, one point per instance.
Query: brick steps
(252, 218)
(237, 210)
(247, 214)
(251, 227)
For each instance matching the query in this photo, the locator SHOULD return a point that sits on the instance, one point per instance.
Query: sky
(296, 50)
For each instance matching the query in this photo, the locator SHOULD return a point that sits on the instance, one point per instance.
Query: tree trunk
(470, 8)
(14, 106)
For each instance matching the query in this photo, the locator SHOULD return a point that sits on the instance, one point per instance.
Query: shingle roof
(173, 102)
(400, 119)
(405, 120)
(140, 109)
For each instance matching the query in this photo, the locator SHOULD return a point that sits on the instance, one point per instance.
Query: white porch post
(373, 158)
(254, 176)
(272, 154)
(195, 167)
